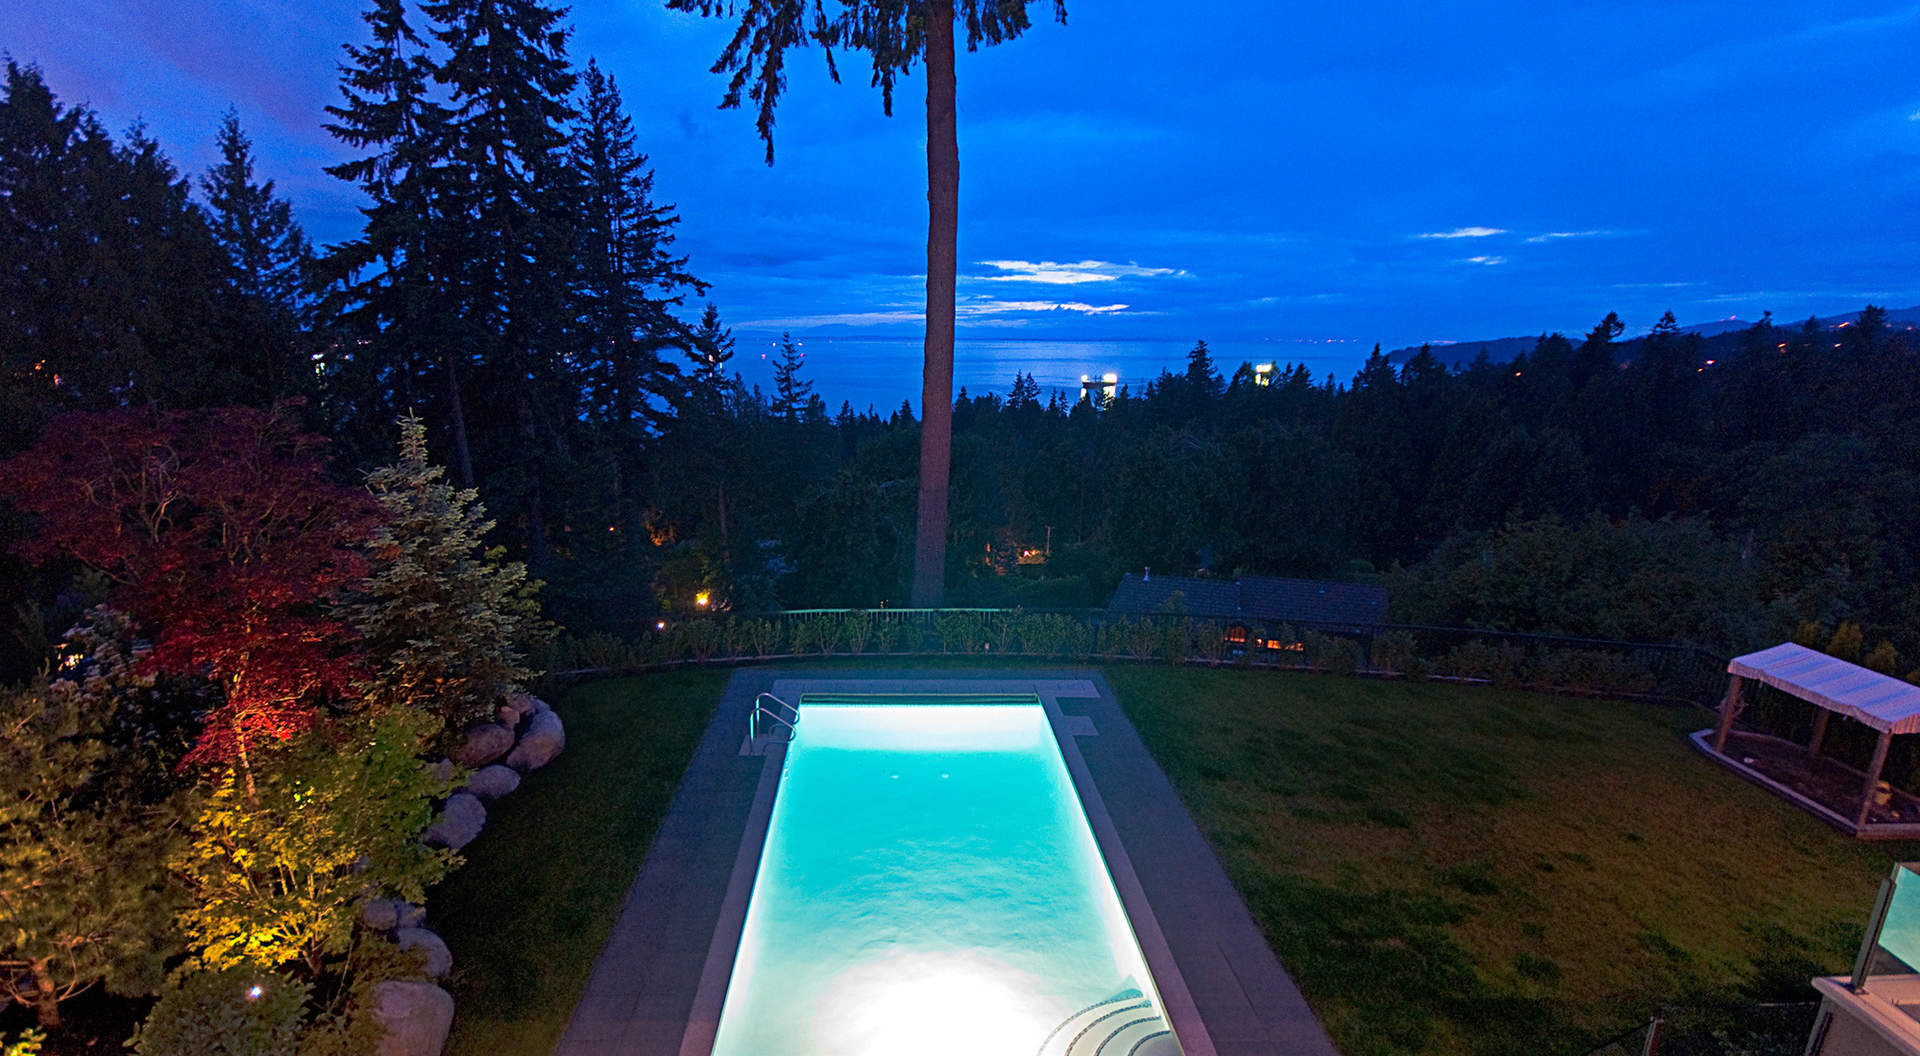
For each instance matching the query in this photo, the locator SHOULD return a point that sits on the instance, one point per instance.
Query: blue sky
(1392, 172)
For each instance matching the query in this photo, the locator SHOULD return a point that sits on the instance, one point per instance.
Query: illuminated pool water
(930, 886)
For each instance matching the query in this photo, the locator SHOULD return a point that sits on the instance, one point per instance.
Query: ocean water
(881, 371)
(930, 885)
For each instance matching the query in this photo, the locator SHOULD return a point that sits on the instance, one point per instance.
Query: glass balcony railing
(1888, 966)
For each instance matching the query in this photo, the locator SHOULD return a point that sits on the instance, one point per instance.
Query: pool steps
(1125, 1024)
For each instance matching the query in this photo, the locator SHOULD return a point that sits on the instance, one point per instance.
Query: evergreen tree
(791, 392)
(445, 622)
(112, 287)
(896, 34)
(400, 336)
(628, 286)
(1202, 378)
(712, 349)
(509, 86)
(268, 259)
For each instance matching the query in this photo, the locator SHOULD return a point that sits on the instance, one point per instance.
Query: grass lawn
(528, 912)
(1452, 870)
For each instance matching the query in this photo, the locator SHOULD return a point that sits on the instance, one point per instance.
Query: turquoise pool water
(930, 887)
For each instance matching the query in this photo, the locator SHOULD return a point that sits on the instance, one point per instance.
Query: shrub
(856, 632)
(1846, 643)
(1884, 659)
(902, 634)
(960, 632)
(1396, 653)
(692, 640)
(221, 1013)
(766, 636)
(282, 852)
(1210, 640)
(737, 637)
(1328, 652)
(1476, 659)
(27, 1044)
(1003, 630)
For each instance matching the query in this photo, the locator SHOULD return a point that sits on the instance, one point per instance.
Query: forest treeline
(515, 283)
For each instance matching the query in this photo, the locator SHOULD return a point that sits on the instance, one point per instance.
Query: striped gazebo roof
(1880, 701)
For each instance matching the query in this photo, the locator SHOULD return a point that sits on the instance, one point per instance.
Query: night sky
(1392, 172)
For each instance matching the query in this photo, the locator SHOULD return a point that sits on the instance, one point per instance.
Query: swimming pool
(929, 885)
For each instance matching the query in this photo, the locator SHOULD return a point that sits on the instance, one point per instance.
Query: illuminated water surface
(930, 885)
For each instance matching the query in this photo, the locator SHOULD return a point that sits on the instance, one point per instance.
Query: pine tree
(791, 393)
(628, 287)
(712, 349)
(1202, 379)
(509, 86)
(268, 260)
(392, 299)
(110, 294)
(446, 623)
(896, 34)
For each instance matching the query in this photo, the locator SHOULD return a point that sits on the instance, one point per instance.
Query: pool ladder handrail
(759, 709)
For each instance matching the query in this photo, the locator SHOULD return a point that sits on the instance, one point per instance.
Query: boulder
(483, 744)
(492, 782)
(514, 707)
(439, 959)
(416, 1016)
(380, 914)
(539, 705)
(544, 739)
(444, 770)
(460, 820)
(410, 915)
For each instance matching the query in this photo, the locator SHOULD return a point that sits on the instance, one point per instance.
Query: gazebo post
(1873, 774)
(1729, 707)
(1819, 733)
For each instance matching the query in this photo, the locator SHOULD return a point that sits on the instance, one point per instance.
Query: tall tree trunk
(462, 454)
(46, 996)
(943, 252)
(536, 502)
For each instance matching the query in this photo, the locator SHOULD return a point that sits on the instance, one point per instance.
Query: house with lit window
(1259, 611)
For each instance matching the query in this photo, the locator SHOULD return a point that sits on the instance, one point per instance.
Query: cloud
(1054, 273)
(1555, 236)
(983, 311)
(1465, 232)
(989, 306)
(1485, 260)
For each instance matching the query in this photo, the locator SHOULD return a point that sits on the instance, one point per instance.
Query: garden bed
(1825, 787)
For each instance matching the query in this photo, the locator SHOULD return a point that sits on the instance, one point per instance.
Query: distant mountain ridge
(1504, 349)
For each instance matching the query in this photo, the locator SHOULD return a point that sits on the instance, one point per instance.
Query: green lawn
(1446, 870)
(528, 912)
(1464, 870)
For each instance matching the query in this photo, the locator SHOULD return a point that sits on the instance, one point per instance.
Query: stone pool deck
(657, 987)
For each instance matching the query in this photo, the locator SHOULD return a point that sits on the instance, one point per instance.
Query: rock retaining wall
(527, 736)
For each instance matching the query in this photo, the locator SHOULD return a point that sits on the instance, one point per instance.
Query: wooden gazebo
(1833, 686)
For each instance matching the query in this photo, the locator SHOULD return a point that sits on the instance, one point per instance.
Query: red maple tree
(224, 535)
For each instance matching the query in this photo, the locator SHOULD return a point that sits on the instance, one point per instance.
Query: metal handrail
(759, 709)
(777, 700)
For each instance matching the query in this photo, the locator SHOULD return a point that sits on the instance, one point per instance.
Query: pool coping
(658, 986)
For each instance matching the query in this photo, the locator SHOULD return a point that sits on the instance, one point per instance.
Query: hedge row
(1071, 637)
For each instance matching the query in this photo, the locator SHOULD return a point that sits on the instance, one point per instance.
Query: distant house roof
(1311, 601)
(1880, 701)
